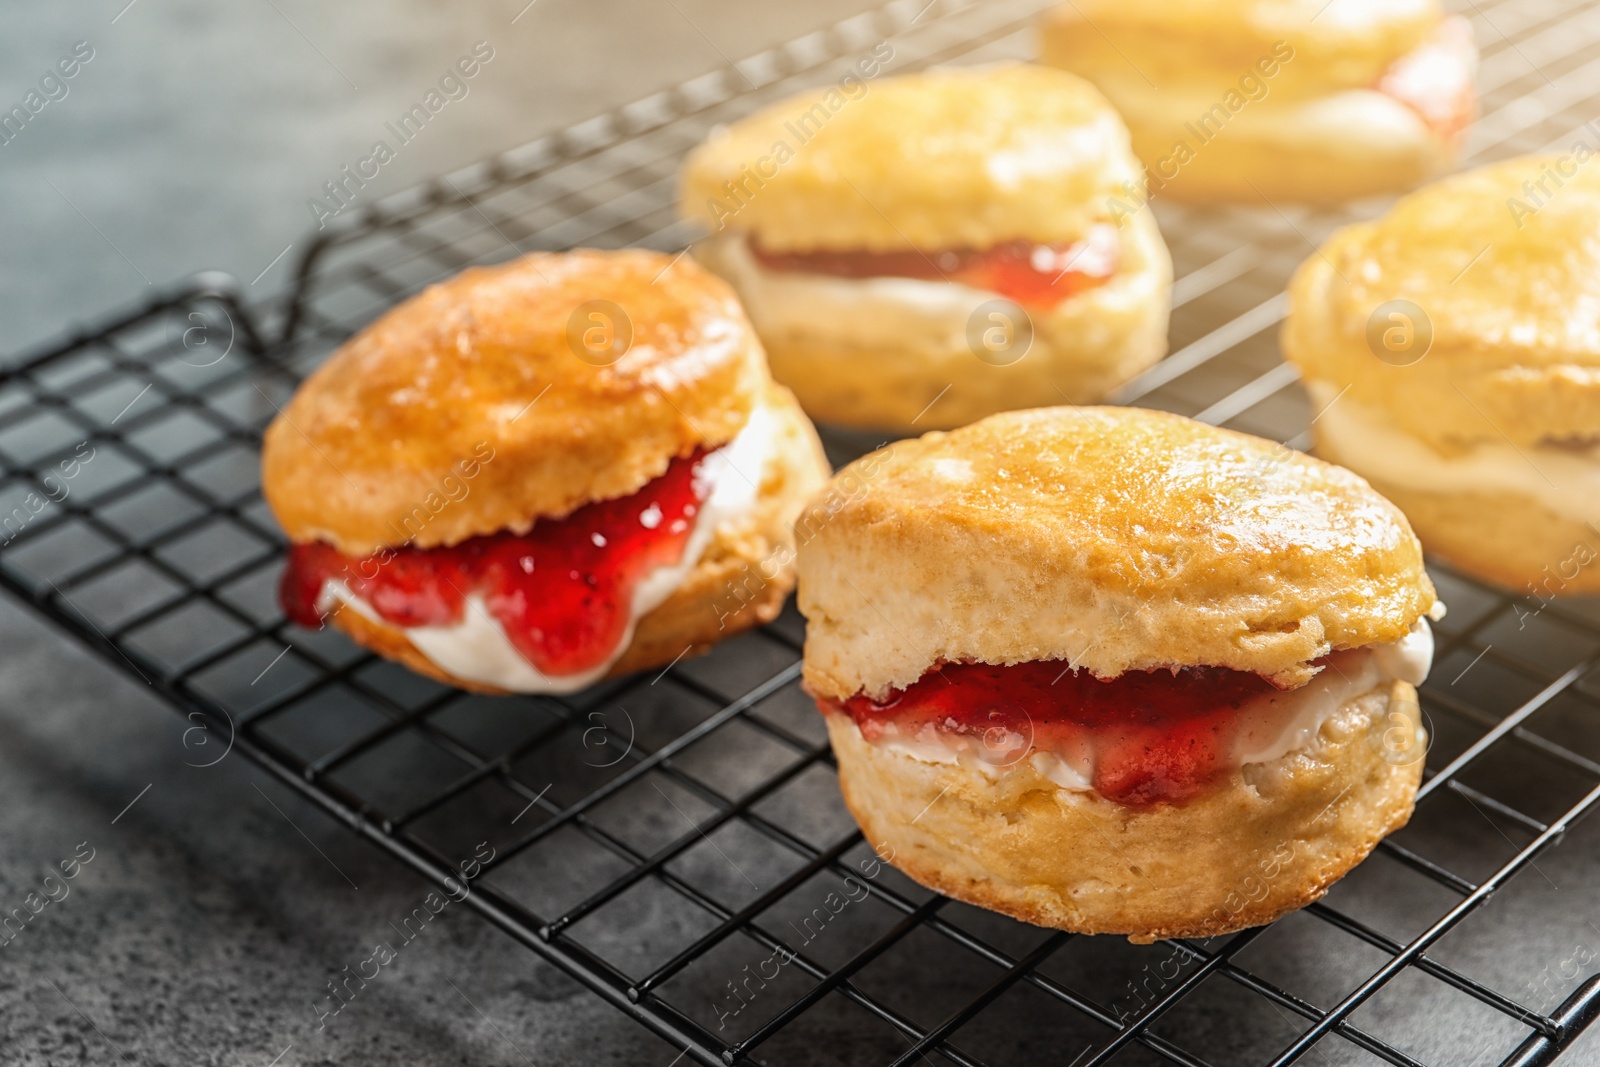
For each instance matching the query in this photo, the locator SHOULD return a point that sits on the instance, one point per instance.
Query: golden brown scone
(953, 158)
(1239, 99)
(1244, 627)
(1016, 163)
(704, 609)
(1118, 538)
(1509, 289)
(1268, 839)
(1455, 344)
(480, 409)
(486, 357)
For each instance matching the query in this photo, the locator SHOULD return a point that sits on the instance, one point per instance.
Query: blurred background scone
(535, 475)
(1453, 350)
(943, 239)
(1295, 100)
(1135, 663)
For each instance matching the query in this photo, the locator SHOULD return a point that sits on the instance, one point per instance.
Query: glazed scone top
(383, 427)
(1511, 291)
(1168, 44)
(947, 159)
(1114, 538)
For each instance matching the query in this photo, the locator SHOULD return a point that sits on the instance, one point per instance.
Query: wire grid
(672, 838)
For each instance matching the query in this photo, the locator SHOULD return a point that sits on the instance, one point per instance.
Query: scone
(1455, 345)
(1115, 671)
(936, 247)
(536, 475)
(1294, 100)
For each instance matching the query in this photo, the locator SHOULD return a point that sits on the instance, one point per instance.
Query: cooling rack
(676, 840)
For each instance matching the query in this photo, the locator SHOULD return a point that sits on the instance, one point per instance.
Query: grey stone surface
(206, 927)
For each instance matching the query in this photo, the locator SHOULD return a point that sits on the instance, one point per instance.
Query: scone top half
(496, 357)
(947, 160)
(534, 475)
(1116, 539)
(1470, 313)
(1208, 44)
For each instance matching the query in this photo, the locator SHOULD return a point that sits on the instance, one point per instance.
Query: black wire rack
(676, 840)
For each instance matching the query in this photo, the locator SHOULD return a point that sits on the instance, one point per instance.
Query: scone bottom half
(1145, 677)
(535, 476)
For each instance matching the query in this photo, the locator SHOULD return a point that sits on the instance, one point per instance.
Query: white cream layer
(477, 648)
(1273, 725)
(1564, 480)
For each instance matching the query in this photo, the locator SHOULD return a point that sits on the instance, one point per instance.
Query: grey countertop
(217, 907)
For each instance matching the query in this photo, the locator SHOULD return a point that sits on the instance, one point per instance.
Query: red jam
(1029, 274)
(562, 592)
(1156, 736)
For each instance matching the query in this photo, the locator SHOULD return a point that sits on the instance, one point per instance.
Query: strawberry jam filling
(562, 592)
(1027, 273)
(1151, 736)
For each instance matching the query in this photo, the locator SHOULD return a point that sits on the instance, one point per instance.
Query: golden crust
(1210, 43)
(1510, 289)
(1082, 349)
(1263, 841)
(719, 598)
(955, 158)
(1507, 538)
(1117, 538)
(378, 435)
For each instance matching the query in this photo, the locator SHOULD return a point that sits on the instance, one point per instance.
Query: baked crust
(741, 581)
(946, 159)
(1208, 44)
(1511, 291)
(1262, 841)
(1116, 538)
(377, 436)
(1082, 349)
